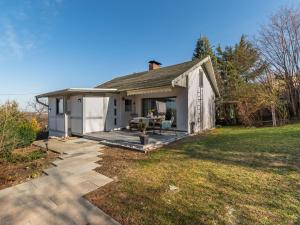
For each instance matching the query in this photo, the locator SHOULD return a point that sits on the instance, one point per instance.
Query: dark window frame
(174, 98)
(58, 111)
(128, 105)
(115, 112)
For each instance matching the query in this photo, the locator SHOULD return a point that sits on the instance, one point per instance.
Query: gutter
(42, 103)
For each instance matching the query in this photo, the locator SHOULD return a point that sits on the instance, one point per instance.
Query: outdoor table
(153, 121)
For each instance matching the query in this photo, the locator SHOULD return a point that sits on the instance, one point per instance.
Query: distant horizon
(55, 44)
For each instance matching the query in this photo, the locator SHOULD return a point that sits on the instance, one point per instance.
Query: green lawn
(227, 176)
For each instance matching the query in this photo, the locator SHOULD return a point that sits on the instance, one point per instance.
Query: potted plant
(144, 138)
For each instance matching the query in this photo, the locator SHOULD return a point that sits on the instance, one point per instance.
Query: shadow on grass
(263, 149)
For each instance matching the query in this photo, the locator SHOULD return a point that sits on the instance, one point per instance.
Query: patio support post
(66, 129)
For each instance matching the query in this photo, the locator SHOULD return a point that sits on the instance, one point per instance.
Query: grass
(28, 157)
(228, 176)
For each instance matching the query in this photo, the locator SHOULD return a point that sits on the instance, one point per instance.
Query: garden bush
(26, 134)
(15, 129)
(10, 117)
(35, 125)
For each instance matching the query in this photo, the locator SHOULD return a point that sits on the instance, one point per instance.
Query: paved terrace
(56, 198)
(130, 139)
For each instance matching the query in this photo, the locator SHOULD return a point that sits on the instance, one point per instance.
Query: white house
(186, 90)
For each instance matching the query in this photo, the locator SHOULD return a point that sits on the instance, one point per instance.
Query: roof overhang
(206, 64)
(77, 91)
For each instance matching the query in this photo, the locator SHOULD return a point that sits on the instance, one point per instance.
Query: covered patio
(130, 139)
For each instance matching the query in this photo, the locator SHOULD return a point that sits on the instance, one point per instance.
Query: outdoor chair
(167, 124)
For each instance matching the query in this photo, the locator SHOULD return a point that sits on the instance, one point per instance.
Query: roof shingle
(149, 79)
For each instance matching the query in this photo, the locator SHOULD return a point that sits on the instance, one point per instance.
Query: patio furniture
(134, 123)
(153, 122)
(167, 124)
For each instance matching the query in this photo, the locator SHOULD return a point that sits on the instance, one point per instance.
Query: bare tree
(37, 108)
(38, 111)
(271, 90)
(279, 45)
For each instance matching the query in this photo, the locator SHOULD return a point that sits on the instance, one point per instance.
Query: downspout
(42, 103)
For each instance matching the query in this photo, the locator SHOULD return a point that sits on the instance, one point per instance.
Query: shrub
(26, 133)
(35, 125)
(15, 129)
(37, 154)
(142, 126)
(10, 118)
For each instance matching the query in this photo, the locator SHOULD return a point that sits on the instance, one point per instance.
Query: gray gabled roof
(149, 79)
(165, 76)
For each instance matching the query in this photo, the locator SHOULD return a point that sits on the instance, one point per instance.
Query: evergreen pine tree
(203, 49)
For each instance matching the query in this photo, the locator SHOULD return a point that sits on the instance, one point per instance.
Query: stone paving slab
(70, 161)
(96, 178)
(68, 170)
(87, 156)
(56, 198)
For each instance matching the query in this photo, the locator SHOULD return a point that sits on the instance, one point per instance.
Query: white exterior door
(93, 116)
(76, 115)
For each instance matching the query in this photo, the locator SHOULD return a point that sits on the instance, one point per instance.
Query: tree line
(259, 78)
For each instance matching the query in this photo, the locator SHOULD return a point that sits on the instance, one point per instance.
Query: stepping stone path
(57, 197)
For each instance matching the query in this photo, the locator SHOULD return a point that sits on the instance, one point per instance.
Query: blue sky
(53, 44)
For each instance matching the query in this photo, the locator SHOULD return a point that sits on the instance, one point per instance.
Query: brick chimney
(153, 65)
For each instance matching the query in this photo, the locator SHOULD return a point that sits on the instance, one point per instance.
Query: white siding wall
(55, 122)
(96, 114)
(193, 85)
(208, 105)
(208, 102)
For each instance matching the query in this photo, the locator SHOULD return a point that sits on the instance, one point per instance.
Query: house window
(59, 106)
(160, 107)
(115, 112)
(128, 105)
